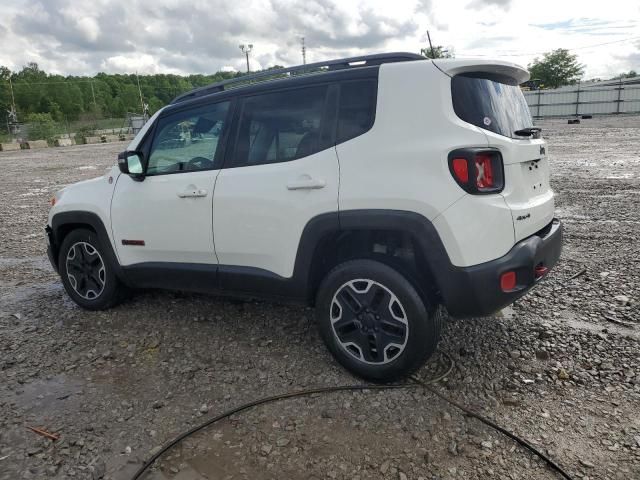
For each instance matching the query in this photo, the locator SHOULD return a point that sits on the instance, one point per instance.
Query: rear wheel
(374, 322)
(86, 275)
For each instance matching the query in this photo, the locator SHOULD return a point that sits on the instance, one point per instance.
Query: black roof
(298, 70)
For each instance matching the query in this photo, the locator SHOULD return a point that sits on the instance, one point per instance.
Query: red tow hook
(540, 271)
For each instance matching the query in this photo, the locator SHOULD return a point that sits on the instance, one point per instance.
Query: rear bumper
(476, 291)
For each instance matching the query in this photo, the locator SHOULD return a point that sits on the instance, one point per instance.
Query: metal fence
(592, 100)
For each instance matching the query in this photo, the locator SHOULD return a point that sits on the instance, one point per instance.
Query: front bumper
(476, 291)
(52, 251)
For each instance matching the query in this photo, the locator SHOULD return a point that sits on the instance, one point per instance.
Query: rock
(174, 470)
(453, 448)
(158, 404)
(562, 374)
(127, 450)
(515, 354)
(385, 466)
(486, 444)
(621, 299)
(282, 442)
(266, 449)
(402, 476)
(99, 470)
(542, 355)
(586, 463)
(204, 409)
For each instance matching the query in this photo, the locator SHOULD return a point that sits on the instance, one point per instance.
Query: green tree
(629, 74)
(438, 52)
(556, 68)
(41, 126)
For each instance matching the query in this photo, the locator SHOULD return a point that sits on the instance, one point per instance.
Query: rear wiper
(528, 132)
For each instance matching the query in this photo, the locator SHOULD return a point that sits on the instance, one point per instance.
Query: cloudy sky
(202, 36)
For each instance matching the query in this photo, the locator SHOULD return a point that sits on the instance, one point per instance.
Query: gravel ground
(559, 368)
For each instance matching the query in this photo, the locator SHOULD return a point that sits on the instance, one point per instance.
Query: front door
(167, 217)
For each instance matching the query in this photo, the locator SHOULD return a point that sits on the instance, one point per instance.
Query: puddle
(572, 321)
(41, 262)
(47, 396)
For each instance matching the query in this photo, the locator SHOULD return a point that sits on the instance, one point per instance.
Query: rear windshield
(493, 103)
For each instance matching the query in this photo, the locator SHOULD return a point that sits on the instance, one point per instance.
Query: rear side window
(280, 126)
(493, 103)
(357, 108)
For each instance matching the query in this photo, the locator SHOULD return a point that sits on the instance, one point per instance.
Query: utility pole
(433, 55)
(93, 94)
(13, 100)
(304, 52)
(246, 49)
(140, 92)
(12, 117)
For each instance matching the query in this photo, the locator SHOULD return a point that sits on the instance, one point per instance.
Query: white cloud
(84, 37)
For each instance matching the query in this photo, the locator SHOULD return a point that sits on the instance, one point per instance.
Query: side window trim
(329, 128)
(220, 150)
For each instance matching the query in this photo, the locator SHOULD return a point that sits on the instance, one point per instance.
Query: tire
(374, 321)
(86, 274)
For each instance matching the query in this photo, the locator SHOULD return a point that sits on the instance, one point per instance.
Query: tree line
(69, 98)
(39, 95)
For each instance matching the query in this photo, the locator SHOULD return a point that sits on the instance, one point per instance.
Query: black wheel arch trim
(83, 218)
(251, 281)
(464, 291)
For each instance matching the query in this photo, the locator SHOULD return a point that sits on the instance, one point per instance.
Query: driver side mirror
(131, 164)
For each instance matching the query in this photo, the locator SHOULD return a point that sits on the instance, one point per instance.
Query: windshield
(494, 103)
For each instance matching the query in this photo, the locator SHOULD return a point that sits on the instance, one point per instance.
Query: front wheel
(374, 321)
(86, 275)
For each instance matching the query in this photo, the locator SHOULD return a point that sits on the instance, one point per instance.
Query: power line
(630, 39)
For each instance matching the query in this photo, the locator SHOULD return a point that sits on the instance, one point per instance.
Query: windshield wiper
(528, 132)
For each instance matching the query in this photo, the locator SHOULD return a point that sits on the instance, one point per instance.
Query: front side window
(188, 141)
(280, 126)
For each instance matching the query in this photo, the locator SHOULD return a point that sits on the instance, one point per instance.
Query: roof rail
(330, 65)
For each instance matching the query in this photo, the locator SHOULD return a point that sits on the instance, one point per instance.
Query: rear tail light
(484, 169)
(460, 169)
(477, 170)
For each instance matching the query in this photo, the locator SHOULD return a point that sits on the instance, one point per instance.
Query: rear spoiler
(457, 66)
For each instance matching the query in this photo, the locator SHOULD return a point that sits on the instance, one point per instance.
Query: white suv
(376, 188)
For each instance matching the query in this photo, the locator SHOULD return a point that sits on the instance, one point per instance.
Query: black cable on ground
(418, 383)
(486, 421)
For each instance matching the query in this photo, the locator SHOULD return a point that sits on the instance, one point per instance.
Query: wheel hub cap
(85, 270)
(369, 322)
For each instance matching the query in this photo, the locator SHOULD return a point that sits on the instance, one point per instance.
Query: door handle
(305, 182)
(192, 192)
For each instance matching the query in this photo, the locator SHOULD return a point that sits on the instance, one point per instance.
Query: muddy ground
(560, 368)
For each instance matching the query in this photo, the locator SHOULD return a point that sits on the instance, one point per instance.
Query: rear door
(495, 103)
(281, 173)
